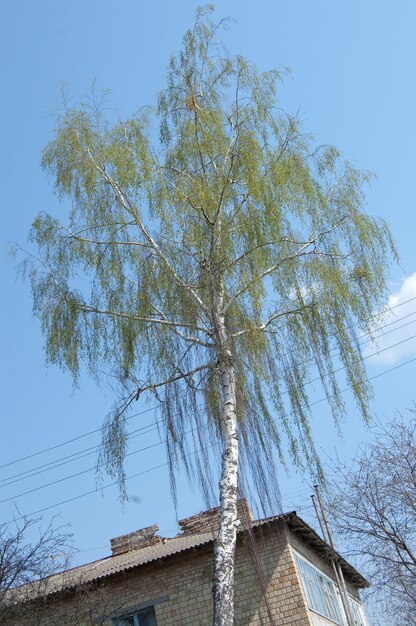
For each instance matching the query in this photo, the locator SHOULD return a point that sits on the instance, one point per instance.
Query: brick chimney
(208, 521)
(133, 541)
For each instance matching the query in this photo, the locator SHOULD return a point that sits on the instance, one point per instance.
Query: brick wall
(208, 521)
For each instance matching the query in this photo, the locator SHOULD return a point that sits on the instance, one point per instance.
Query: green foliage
(232, 210)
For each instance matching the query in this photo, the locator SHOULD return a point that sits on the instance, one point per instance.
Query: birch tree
(214, 267)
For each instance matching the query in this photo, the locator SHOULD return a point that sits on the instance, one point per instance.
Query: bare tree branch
(374, 513)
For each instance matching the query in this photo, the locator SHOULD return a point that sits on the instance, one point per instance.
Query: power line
(383, 334)
(59, 445)
(70, 458)
(87, 471)
(78, 455)
(64, 443)
(88, 493)
(96, 430)
(368, 356)
(192, 453)
(91, 469)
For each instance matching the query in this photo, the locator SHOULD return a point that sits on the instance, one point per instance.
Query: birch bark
(223, 587)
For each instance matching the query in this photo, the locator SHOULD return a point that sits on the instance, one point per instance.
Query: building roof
(311, 537)
(112, 565)
(165, 548)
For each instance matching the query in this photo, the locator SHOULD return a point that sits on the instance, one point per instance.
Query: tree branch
(248, 252)
(299, 253)
(188, 338)
(172, 379)
(126, 204)
(75, 236)
(271, 319)
(140, 318)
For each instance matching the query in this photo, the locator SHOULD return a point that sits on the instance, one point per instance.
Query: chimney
(208, 521)
(133, 541)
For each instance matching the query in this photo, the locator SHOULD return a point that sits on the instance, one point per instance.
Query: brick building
(284, 576)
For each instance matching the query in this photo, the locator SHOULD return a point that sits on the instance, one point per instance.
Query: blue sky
(353, 82)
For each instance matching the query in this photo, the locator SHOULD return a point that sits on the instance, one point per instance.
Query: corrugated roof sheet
(113, 565)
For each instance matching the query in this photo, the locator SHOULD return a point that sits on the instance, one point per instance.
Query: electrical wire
(64, 443)
(78, 456)
(155, 407)
(91, 469)
(70, 458)
(151, 469)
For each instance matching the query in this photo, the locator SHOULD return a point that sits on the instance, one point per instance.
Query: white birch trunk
(224, 553)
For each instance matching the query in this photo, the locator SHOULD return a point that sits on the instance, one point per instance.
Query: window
(321, 593)
(145, 617)
(357, 613)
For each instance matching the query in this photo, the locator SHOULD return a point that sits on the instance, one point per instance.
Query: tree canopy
(234, 193)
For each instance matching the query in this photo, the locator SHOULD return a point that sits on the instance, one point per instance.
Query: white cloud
(399, 328)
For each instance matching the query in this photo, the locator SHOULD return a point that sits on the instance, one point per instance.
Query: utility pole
(327, 535)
